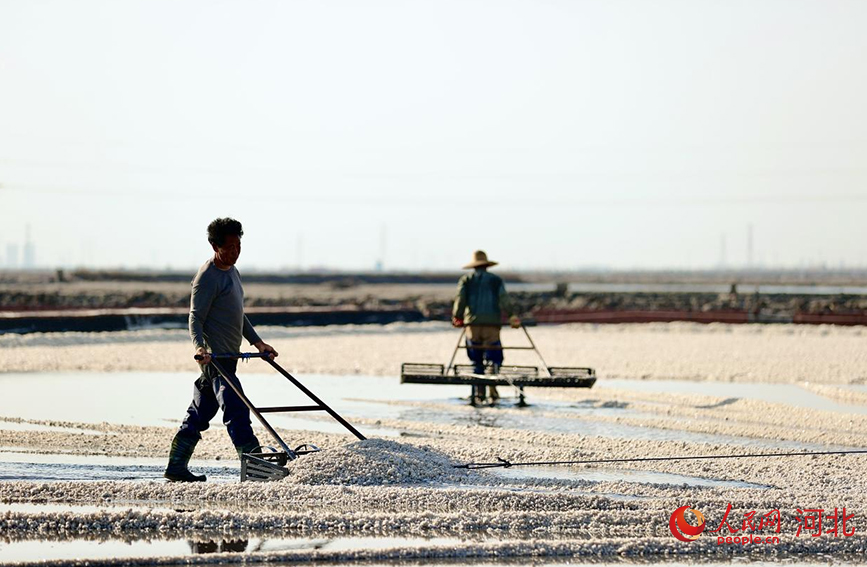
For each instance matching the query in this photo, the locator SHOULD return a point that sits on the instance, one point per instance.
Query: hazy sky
(553, 134)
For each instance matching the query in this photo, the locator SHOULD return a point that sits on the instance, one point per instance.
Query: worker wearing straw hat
(479, 306)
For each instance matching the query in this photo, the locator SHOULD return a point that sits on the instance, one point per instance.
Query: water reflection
(224, 546)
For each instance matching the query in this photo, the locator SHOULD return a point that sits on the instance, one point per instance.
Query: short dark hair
(219, 229)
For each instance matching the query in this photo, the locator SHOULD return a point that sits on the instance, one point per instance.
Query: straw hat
(480, 259)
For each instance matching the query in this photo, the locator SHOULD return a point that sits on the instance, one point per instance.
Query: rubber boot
(480, 394)
(477, 395)
(179, 457)
(493, 394)
(247, 447)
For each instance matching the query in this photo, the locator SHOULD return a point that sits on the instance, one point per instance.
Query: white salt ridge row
(489, 495)
(681, 351)
(158, 525)
(839, 394)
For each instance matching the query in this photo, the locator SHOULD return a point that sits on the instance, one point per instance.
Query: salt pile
(374, 462)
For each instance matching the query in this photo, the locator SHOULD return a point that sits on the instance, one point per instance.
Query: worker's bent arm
(505, 302)
(250, 333)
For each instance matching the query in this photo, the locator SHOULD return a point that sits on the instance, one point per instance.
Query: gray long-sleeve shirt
(217, 319)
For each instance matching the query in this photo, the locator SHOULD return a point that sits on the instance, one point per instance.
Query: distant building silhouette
(29, 251)
(11, 256)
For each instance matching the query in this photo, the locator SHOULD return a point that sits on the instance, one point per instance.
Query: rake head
(268, 464)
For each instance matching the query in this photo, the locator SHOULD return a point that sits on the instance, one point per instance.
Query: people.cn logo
(683, 530)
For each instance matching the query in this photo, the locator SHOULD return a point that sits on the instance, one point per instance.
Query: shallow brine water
(55, 467)
(161, 398)
(789, 394)
(601, 475)
(20, 551)
(138, 398)
(79, 551)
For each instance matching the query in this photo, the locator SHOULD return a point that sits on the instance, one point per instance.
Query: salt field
(83, 481)
(552, 283)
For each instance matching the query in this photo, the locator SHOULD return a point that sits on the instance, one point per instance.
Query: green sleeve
(504, 301)
(461, 300)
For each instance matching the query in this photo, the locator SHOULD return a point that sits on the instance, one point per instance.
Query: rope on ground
(503, 463)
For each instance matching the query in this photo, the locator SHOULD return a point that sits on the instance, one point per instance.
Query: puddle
(534, 419)
(789, 394)
(161, 400)
(57, 467)
(599, 475)
(83, 550)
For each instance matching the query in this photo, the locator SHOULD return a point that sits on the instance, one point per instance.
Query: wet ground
(148, 397)
(119, 549)
(82, 453)
(153, 398)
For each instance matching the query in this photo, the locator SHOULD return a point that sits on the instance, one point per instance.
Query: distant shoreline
(93, 302)
(841, 277)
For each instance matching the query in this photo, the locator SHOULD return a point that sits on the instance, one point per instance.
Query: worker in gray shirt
(217, 325)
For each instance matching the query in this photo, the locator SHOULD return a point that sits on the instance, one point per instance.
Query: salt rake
(267, 463)
(518, 377)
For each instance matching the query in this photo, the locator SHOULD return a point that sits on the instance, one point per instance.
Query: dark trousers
(479, 337)
(210, 393)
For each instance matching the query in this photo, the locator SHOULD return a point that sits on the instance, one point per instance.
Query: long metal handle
(241, 355)
(457, 346)
(252, 408)
(267, 358)
(545, 364)
(313, 397)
